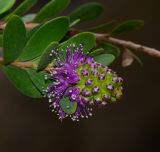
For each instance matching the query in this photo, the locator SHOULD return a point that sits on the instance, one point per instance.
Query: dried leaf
(127, 58)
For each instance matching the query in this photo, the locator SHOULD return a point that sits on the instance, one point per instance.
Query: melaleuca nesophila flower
(78, 83)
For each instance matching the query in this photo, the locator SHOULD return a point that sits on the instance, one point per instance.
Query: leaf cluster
(34, 45)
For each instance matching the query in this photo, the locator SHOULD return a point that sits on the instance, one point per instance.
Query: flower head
(78, 83)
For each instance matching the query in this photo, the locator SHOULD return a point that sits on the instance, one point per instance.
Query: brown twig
(133, 46)
(122, 43)
(23, 64)
(19, 64)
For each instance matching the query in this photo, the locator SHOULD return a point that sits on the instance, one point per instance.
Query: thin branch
(133, 46)
(23, 65)
(19, 64)
(122, 43)
(107, 38)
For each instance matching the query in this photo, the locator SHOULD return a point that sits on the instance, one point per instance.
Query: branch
(122, 43)
(19, 64)
(23, 65)
(133, 46)
(106, 38)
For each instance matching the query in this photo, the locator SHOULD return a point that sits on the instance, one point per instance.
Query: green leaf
(111, 49)
(105, 59)
(5, 5)
(14, 39)
(86, 12)
(38, 79)
(31, 32)
(53, 30)
(28, 17)
(23, 7)
(51, 9)
(96, 52)
(87, 39)
(21, 81)
(127, 26)
(103, 27)
(67, 106)
(74, 23)
(45, 58)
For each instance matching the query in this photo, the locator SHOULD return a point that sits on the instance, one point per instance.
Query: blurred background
(133, 124)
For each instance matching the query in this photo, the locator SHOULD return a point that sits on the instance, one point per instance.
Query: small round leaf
(105, 59)
(68, 106)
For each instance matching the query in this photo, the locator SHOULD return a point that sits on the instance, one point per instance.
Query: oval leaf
(74, 23)
(105, 59)
(23, 7)
(86, 12)
(87, 39)
(51, 9)
(21, 81)
(67, 106)
(38, 79)
(96, 52)
(31, 32)
(5, 5)
(103, 27)
(54, 30)
(127, 26)
(14, 39)
(111, 49)
(46, 58)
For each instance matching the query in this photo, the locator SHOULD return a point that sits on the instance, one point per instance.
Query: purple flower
(78, 83)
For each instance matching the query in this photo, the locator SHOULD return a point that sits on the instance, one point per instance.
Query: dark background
(28, 125)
